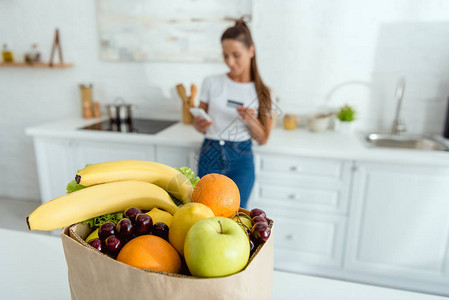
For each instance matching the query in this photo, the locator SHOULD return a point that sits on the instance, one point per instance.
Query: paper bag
(94, 275)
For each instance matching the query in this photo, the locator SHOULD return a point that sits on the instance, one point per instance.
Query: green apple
(243, 220)
(216, 247)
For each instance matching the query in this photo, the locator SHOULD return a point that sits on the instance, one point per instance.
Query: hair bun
(240, 22)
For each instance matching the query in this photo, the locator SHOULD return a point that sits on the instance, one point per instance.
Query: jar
(33, 56)
(290, 121)
(86, 100)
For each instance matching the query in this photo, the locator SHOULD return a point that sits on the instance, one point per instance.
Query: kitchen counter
(327, 144)
(326, 189)
(33, 267)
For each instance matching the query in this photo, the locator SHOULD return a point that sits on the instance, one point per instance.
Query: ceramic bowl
(318, 122)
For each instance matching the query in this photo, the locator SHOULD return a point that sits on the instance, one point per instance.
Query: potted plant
(346, 116)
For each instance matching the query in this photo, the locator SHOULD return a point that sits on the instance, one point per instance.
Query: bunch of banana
(99, 200)
(159, 174)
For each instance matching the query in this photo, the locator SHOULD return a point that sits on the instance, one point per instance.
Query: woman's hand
(259, 132)
(201, 124)
(247, 114)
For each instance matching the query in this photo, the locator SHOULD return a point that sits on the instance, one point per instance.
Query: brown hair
(240, 32)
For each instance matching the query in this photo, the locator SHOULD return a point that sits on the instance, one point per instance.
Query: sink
(405, 141)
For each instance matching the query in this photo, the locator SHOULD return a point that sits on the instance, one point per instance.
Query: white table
(32, 266)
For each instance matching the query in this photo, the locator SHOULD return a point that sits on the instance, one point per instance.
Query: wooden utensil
(193, 91)
(182, 92)
(187, 117)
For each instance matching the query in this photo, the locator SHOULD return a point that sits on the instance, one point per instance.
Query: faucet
(398, 125)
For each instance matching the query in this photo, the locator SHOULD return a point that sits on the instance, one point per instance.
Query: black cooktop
(147, 126)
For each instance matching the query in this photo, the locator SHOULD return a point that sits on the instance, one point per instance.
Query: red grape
(254, 243)
(261, 231)
(113, 245)
(259, 219)
(161, 230)
(125, 228)
(257, 212)
(143, 224)
(96, 243)
(106, 229)
(131, 213)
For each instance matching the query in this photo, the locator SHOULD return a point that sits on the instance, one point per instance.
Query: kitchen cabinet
(55, 165)
(59, 159)
(178, 156)
(87, 152)
(399, 225)
(376, 223)
(308, 199)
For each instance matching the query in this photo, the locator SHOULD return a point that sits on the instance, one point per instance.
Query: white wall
(318, 53)
(314, 54)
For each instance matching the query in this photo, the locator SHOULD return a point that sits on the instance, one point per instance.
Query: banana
(159, 174)
(99, 200)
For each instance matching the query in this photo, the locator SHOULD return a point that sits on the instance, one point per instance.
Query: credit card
(233, 103)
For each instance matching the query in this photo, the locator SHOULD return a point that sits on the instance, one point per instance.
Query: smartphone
(199, 112)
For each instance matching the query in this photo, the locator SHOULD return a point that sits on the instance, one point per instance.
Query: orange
(219, 193)
(151, 252)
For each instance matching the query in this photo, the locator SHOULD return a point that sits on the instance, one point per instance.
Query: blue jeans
(233, 159)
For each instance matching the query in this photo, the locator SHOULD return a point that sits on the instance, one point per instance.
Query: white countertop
(329, 144)
(33, 267)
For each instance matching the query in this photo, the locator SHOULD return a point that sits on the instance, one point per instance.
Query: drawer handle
(289, 237)
(291, 196)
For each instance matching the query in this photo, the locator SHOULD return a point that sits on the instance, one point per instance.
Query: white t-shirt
(227, 125)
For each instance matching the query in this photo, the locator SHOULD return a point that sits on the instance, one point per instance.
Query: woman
(239, 105)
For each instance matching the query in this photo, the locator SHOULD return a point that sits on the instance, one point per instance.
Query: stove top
(146, 126)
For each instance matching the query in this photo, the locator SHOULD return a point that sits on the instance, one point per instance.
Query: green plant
(346, 114)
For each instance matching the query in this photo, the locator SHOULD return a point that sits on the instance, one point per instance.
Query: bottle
(7, 54)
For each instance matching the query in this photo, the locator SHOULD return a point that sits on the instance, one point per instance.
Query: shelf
(35, 65)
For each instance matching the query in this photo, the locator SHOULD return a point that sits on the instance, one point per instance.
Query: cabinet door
(399, 222)
(177, 156)
(306, 241)
(55, 166)
(96, 152)
(307, 199)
